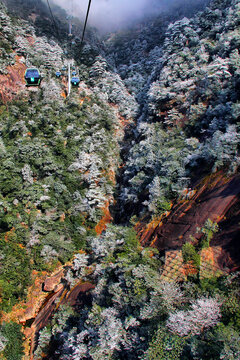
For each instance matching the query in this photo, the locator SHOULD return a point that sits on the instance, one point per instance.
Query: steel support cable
(86, 19)
(53, 20)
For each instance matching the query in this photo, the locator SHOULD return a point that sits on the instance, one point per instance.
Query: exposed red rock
(40, 307)
(106, 219)
(26, 310)
(46, 310)
(146, 231)
(71, 297)
(53, 281)
(13, 82)
(42, 318)
(217, 198)
(210, 264)
(74, 297)
(229, 238)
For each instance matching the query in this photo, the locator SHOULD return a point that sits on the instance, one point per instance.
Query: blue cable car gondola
(75, 81)
(32, 77)
(58, 74)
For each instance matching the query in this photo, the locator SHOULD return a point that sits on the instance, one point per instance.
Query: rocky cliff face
(216, 197)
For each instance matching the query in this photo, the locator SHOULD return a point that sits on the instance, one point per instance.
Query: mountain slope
(152, 143)
(193, 106)
(58, 156)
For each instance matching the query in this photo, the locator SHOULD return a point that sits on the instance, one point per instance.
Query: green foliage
(208, 230)
(155, 168)
(190, 254)
(14, 348)
(211, 286)
(231, 311)
(229, 341)
(162, 205)
(206, 347)
(133, 220)
(39, 263)
(131, 241)
(139, 288)
(5, 45)
(131, 251)
(51, 208)
(43, 343)
(10, 181)
(165, 345)
(15, 273)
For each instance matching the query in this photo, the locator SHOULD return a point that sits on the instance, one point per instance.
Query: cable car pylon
(70, 17)
(69, 79)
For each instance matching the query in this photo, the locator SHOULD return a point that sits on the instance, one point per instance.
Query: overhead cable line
(53, 20)
(86, 19)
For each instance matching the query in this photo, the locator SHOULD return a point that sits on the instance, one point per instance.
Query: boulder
(53, 283)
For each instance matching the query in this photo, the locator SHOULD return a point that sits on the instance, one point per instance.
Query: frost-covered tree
(3, 342)
(203, 314)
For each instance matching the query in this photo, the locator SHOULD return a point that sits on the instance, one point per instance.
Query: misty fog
(108, 15)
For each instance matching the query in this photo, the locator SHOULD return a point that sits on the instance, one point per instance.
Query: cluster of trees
(112, 89)
(198, 86)
(134, 314)
(37, 12)
(190, 109)
(11, 339)
(55, 178)
(136, 52)
(7, 35)
(58, 157)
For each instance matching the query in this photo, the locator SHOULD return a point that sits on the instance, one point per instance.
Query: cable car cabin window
(32, 77)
